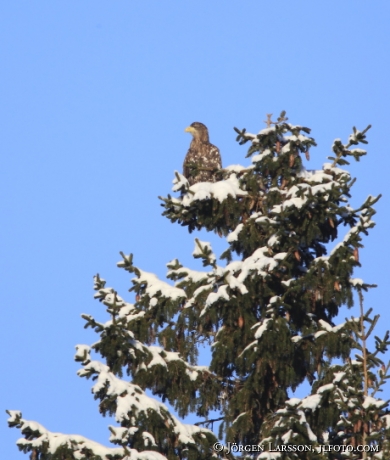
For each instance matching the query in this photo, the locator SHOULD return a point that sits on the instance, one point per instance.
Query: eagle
(202, 159)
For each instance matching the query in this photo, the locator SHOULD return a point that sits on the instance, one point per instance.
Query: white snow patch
(325, 325)
(296, 338)
(323, 388)
(311, 402)
(338, 376)
(273, 241)
(155, 286)
(220, 294)
(262, 328)
(219, 190)
(293, 402)
(234, 168)
(233, 236)
(369, 401)
(179, 181)
(261, 156)
(356, 281)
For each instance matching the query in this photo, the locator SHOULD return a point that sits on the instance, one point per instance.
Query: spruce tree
(268, 312)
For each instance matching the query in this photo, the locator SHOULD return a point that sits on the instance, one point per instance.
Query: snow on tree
(267, 311)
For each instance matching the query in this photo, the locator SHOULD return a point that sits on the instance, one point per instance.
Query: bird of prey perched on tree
(203, 159)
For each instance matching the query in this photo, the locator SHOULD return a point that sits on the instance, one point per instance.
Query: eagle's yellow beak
(190, 129)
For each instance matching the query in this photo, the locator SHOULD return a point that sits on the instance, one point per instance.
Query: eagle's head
(199, 131)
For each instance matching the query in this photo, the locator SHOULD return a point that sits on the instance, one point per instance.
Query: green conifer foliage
(268, 312)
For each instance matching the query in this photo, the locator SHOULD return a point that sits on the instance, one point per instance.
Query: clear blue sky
(95, 96)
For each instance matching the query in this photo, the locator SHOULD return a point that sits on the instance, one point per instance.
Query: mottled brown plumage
(202, 157)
